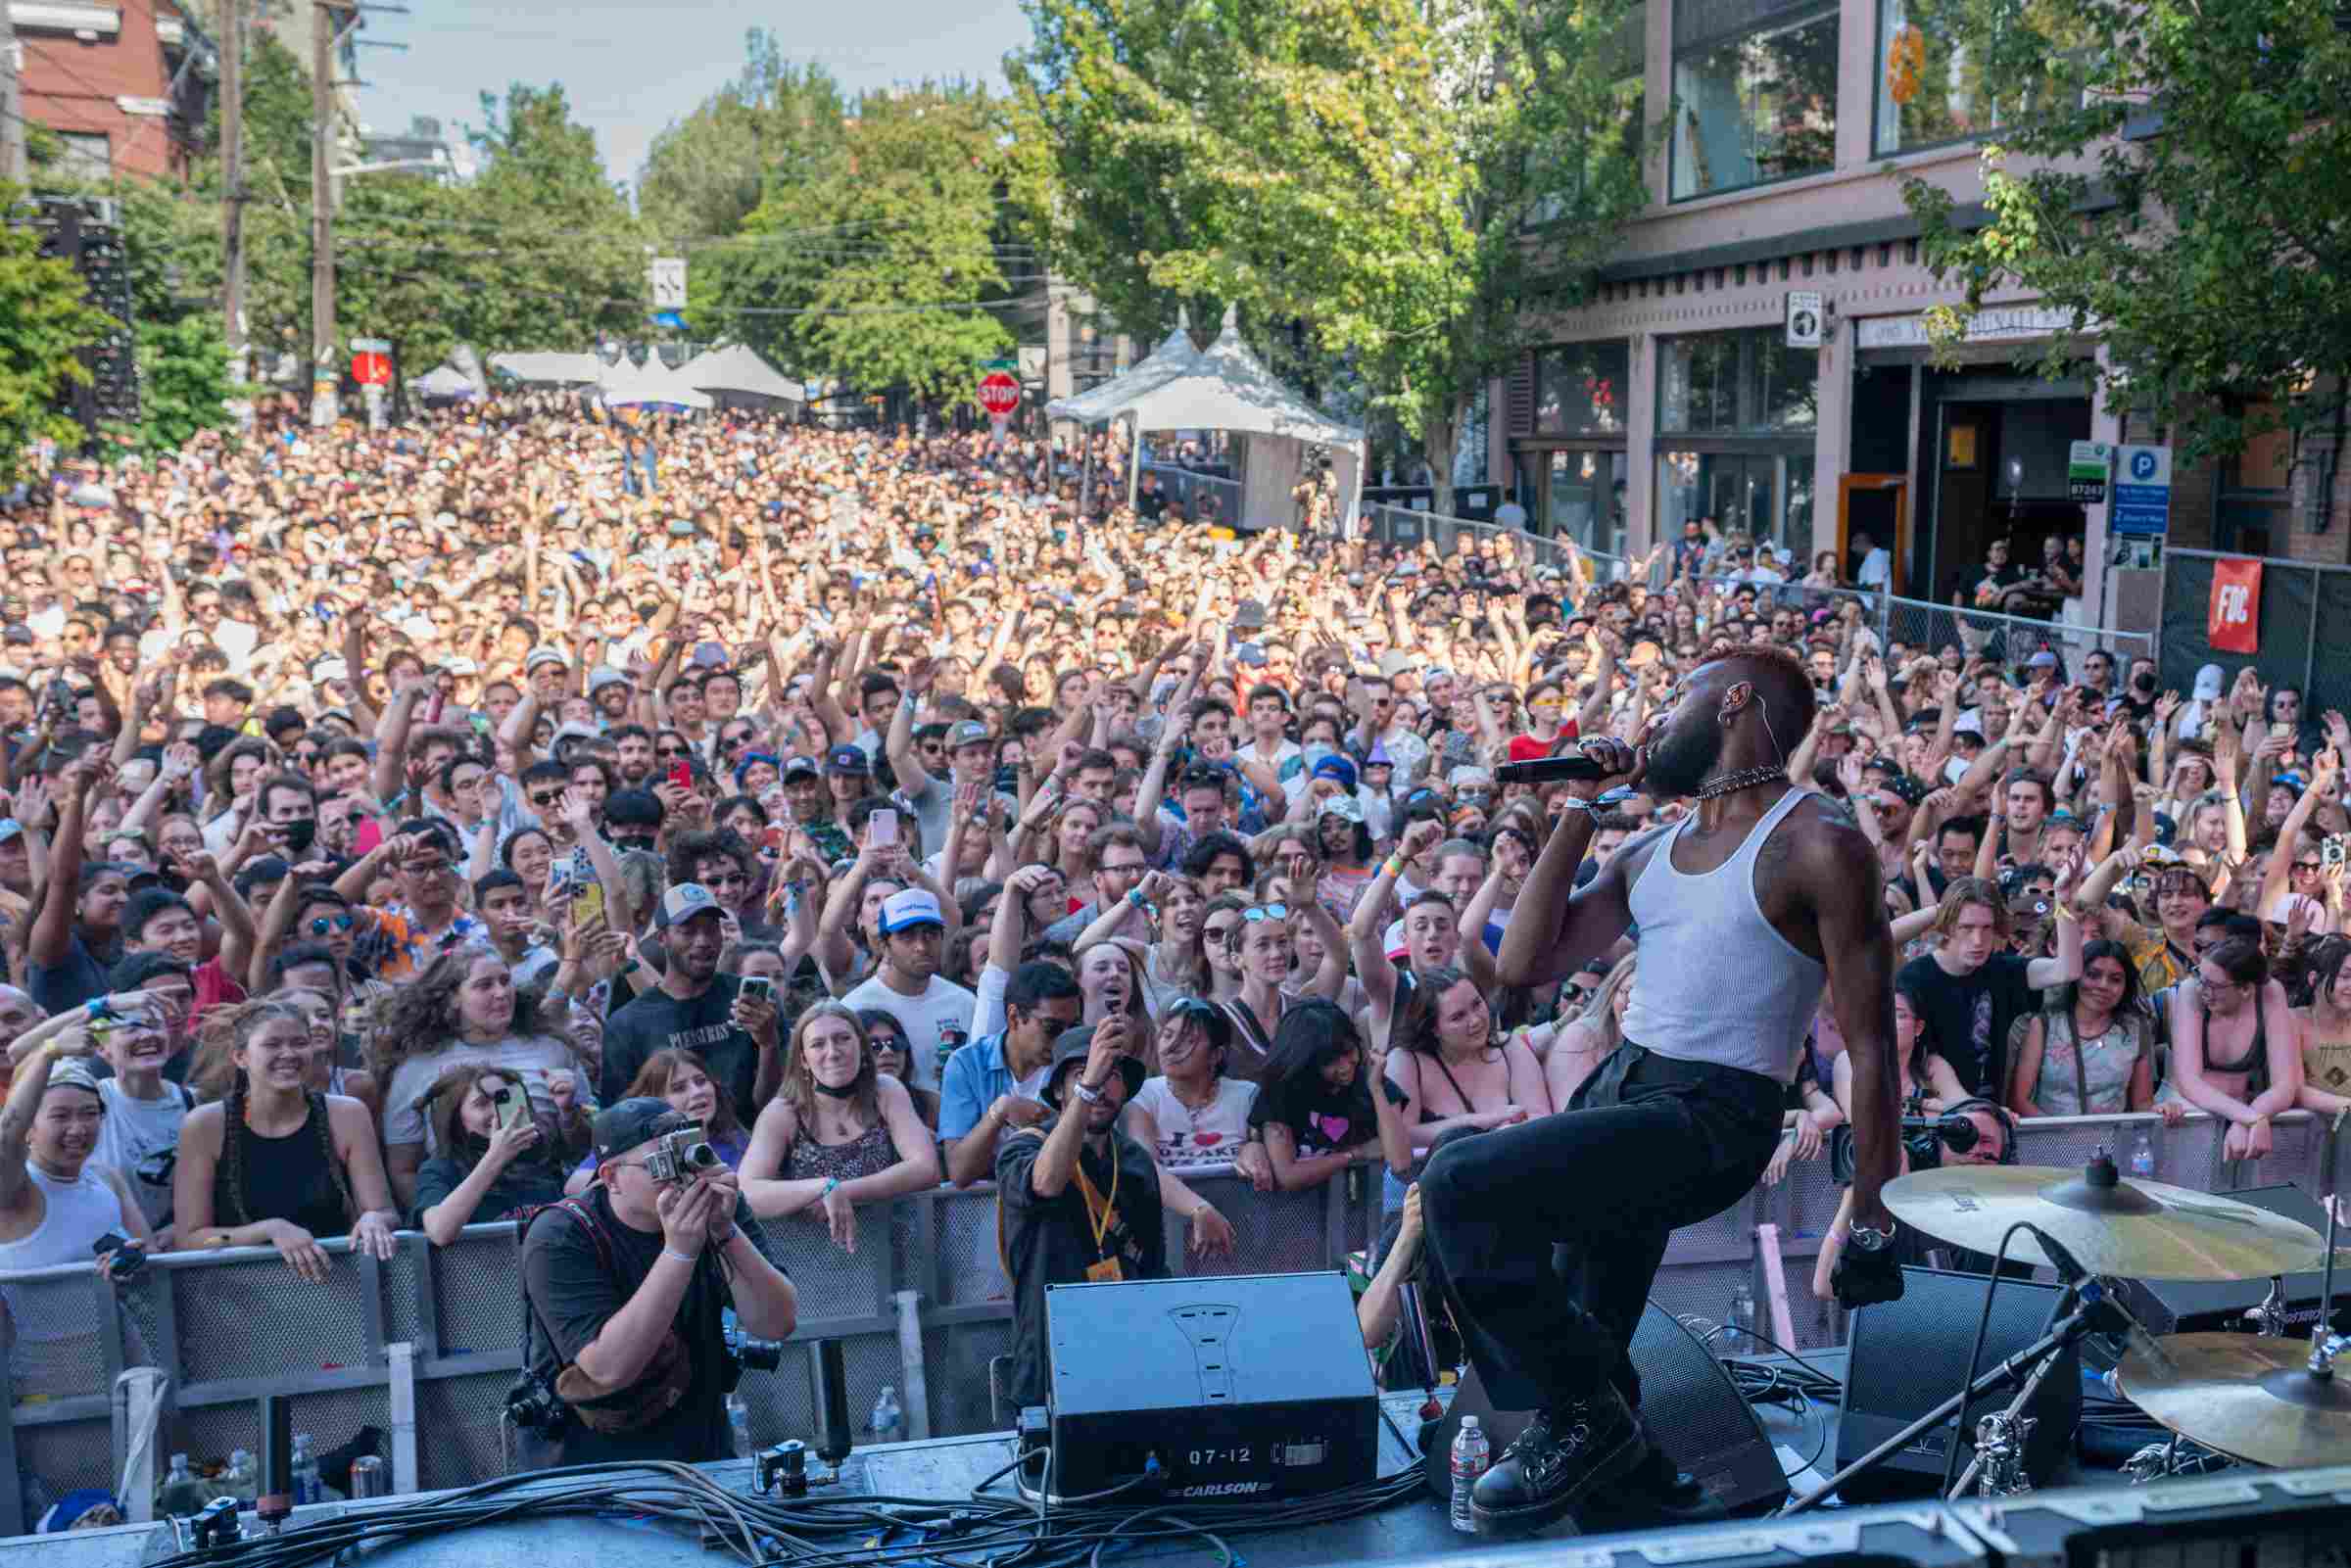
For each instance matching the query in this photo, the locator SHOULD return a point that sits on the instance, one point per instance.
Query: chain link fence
(1916, 624)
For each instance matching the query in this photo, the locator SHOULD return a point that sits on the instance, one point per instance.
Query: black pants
(1609, 1183)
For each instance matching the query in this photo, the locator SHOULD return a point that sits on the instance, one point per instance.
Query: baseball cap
(1338, 768)
(910, 906)
(683, 903)
(970, 733)
(602, 675)
(1344, 807)
(1249, 615)
(2043, 660)
(542, 656)
(801, 768)
(847, 759)
(10, 829)
(76, 1075)
(626, 1124)
(1074, 1046)
(573, 732)
(1969, 722)
(1394, 663)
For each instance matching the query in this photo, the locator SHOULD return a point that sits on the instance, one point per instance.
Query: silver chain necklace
(1744, 779)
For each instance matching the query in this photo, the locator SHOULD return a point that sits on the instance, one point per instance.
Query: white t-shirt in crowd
(937, 1023)
(530, 1059)
(133, 1132)
(1188, 1138)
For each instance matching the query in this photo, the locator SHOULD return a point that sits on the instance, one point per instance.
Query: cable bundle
(987, 1531)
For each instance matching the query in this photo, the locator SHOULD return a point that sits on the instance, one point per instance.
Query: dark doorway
(1995, 469)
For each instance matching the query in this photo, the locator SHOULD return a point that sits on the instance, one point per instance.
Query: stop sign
(999, 392)
(371, 369)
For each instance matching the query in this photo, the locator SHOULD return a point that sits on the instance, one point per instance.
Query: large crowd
(377, 806)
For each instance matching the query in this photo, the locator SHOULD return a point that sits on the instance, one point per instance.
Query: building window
(1765, 498)
(1584, 499)
(2254, 510)
(1737, 383)
(84, 156)
(1580, 389)
(1754, 99)
(1930, 85)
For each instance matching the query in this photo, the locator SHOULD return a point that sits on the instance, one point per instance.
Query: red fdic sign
(2232, 623)
(371, 369)
(999, 392)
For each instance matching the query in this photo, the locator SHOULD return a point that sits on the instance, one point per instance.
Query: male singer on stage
(1743, 910)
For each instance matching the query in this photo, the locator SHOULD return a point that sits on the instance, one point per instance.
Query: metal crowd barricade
(427, 1344)
(429, 1341)
(1930, 628)
(1206, 497)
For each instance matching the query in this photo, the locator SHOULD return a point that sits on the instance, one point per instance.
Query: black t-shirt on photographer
(572, 1297)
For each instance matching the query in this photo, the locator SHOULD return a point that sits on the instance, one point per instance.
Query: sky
(632, 67)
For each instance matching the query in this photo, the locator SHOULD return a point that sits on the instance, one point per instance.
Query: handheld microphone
(1568, 767)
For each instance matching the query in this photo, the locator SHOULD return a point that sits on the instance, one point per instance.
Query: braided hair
(225, 1030)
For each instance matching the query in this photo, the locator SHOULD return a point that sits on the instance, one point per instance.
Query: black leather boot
(1554, 1466)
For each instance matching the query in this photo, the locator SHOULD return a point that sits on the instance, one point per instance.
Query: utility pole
(325, 377)
(232, 177)
(12, 103)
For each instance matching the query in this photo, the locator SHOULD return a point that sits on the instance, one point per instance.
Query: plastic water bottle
(307, 1488)
(889, 1419)
(1739, 1336)
(181, 1493)
(739, 1425)
(242, 1480)
(1472, 1453)
(2142, 1158)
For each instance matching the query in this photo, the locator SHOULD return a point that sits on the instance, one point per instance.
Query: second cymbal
(2248, 1397)
(2133, 1229)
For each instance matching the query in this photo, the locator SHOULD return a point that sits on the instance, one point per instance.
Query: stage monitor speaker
(1689, 1404)
(2219, 1307)
(1905, 1357)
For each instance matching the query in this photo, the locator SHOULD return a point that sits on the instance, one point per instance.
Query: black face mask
(2142, 683)
(301, 833)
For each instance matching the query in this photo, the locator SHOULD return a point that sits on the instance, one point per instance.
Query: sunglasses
(545, 797)
(635, 841)
(1190, 1006)
(1265, 911)
(321, 925)
(669, 751)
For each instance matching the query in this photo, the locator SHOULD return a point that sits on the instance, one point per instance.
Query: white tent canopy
(1160, 366)
(1225, 388)
(627, 385)
(565, 369)
(443, 381)
(734, 369)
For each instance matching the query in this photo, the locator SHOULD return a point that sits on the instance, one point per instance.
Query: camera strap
(578, 1209)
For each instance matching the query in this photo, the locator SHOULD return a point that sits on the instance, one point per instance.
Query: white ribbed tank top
(1715, 981)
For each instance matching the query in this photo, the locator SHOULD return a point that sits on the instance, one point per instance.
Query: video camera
(679, 1156)
(1925, 1138)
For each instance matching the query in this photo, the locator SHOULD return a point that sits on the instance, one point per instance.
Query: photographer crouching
(626, 1354)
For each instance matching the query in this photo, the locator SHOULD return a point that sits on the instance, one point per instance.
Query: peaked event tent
(653, 384)
(444, 382)
(735, 371)
(1160, 366)
(1225, 388)
(574, 369)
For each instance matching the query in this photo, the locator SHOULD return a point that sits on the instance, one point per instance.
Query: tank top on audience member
(288, 1178)
(1716, 984)
(869, 1154)
(73, 1215)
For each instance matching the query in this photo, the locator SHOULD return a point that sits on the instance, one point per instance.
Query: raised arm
(1555, 926)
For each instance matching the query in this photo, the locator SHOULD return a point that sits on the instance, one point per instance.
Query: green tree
(46, 322)
(183, 381)
(2181, 188)
(861, 267)
(1399, 177)
(777, 123)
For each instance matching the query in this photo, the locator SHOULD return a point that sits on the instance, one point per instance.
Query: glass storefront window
(1585, 499)
(1580, 389)
(1930, 86)
(1760, 495)
(1756, 106)
(1737, 383)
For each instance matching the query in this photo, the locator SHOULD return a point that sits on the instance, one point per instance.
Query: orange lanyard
(1101, 1212)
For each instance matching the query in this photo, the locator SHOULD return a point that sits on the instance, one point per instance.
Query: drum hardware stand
(2269, 1319)
(2000, 1441)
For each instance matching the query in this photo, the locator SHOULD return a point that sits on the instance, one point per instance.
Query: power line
(362, 263)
